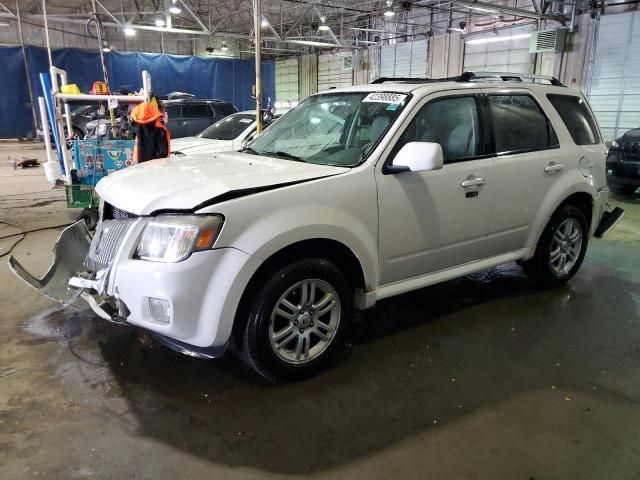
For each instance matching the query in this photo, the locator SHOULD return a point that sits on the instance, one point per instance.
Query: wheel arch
(581, 198)
(334, 251)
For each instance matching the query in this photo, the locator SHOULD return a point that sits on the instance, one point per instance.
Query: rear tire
(561, 248)
(298, 320)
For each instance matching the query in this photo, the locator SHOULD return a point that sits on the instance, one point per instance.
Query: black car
(188, 117)
(623, 163)
(81, 115)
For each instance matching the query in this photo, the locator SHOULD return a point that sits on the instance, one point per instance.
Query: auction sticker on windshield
(384, 97)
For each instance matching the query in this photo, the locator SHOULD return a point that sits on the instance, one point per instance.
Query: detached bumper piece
(190, 350)
(69, 254)
(608, 222)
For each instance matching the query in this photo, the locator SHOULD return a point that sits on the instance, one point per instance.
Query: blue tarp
(229, 80)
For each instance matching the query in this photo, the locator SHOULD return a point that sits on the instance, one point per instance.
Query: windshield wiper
(282, 154)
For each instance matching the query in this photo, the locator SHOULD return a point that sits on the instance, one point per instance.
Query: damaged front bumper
(68, 279)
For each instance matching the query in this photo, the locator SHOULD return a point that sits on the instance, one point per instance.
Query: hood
(183, 183)
(195, 145)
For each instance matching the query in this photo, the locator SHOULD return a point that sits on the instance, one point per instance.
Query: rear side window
(576, 116)
(196, 111)
(520, 125)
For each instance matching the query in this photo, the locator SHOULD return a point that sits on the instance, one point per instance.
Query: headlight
(614, 144)
(172, 238)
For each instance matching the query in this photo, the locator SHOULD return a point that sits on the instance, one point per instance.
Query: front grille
(115, 213)
(106, 242)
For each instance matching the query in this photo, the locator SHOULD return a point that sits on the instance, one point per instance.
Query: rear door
(528, 163)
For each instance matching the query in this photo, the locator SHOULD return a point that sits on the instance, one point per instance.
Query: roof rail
(509, 77)
(478, 77)
(413, 80)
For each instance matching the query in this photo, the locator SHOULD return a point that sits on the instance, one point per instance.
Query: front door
(437, 219)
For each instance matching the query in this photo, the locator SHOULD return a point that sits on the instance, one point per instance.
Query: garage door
(407, 59)
(503, 51)
(287, 82)
(614, 80)
(335, 70)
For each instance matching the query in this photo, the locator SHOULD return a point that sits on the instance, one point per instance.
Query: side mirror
(417, 157)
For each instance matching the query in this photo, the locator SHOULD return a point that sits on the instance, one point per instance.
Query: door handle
(473, 182)
(553, 167)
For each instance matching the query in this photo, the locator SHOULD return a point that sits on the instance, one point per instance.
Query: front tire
(561, 248)
(298, 320)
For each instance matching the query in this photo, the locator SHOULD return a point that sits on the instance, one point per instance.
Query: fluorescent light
(4, 24)
(479, 9)
(160, 22)
(129, 31)
(311, 43)
(480, 41)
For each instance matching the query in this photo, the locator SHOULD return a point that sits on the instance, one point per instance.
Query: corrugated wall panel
(505, 56)
(335, 70)
(287, 84)
(614, 81)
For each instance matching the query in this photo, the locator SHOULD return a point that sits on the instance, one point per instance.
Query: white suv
(356, 195)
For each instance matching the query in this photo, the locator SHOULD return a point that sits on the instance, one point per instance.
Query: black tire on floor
(539, 267)
(90, 217)
(255, 343)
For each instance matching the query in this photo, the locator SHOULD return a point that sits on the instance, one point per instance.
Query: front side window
(173, 111)
(337, 129)
(229, 127)
(519, 124)
(451, 122)
(577, 118)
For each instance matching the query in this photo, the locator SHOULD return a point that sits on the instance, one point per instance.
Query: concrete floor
(484, 377)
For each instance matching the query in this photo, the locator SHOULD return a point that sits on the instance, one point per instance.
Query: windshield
(332, 129)
(229, 127)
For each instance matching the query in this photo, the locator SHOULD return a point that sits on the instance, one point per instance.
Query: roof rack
(509, 77)
(479, 77)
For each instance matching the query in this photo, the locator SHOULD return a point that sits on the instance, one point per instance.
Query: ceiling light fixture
(480, 41)
(389, 11)
(264, 23)
(175, 8)
(106, 47)
(129, 31)
(223, 46)
(160, 22)
(323, 25)
(4, 24)
(311, 43)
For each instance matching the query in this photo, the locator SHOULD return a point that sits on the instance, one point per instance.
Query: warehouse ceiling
(296, 26)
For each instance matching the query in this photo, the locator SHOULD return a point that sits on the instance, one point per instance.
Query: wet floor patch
(58, 323)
